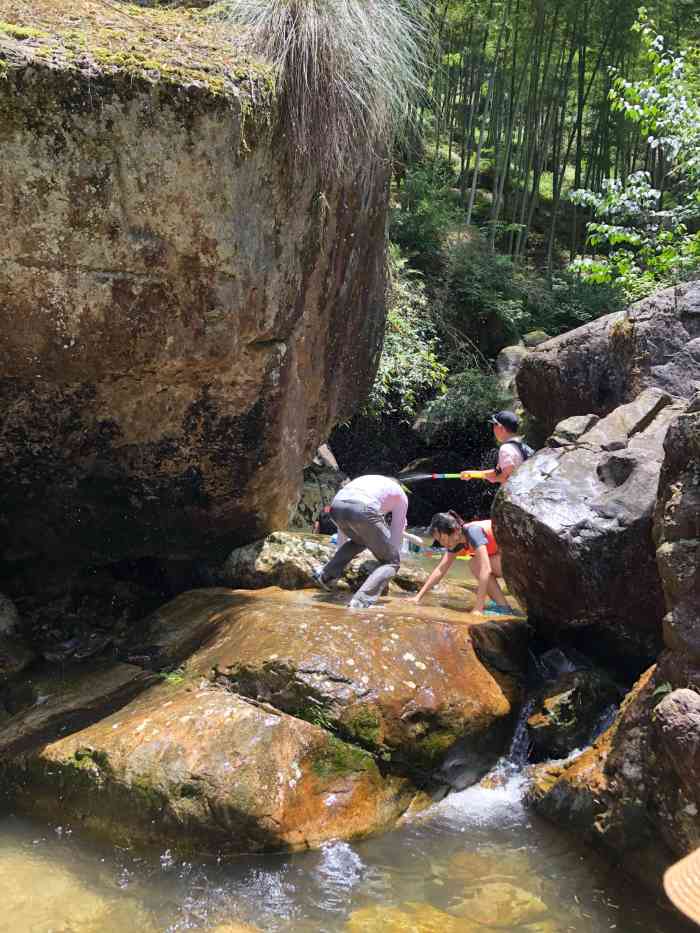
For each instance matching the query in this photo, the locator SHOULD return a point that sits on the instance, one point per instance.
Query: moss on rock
(179, 46)
(337, 757)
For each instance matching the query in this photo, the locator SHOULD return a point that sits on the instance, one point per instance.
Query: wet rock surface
(607, 363)
(636, 791)
(279, 720)
(404, 681)
(574, 526)
(198, 768)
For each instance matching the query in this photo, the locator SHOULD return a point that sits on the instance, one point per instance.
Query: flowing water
(479, 855)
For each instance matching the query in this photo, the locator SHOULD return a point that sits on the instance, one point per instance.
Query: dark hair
(444, 523)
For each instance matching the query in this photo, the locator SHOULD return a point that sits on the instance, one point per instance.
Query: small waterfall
(519, 751)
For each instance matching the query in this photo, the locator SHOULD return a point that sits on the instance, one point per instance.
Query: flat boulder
(574, 525)
(405, 682)
(607, 363)
(255, 720)
(195, 767)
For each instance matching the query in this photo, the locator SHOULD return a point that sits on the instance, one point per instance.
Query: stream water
(477, 861)
(477, 857)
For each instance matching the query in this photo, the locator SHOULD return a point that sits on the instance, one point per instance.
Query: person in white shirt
(359, 510)
(512, 451)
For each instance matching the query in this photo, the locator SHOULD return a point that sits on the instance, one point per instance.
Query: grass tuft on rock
(346, 71)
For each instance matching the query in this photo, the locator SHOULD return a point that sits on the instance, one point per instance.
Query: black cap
(507, 420)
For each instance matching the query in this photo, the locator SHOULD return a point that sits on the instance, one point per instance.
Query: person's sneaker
(318, 579)
(360, 601)
(494, 608)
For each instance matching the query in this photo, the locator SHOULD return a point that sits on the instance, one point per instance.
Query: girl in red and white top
(476, 541)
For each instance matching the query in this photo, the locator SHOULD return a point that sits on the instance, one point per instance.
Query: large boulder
(637, 790)
(177, 304)
(677, 532)
(202, 770)
(574, 525)
(608, 362)
(404, 681)
(266, 719)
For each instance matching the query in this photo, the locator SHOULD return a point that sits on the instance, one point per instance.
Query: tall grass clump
(346, 71)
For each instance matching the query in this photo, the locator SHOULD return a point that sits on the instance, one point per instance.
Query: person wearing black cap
(512, 451)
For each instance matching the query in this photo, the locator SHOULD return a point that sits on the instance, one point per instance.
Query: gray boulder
(574, 525)
(677, 533)
(608, 362)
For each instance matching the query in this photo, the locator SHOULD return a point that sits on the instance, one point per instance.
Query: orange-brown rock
(278, 720)
(183, 320)
(197, 768)
(636, 791)
(401, 680)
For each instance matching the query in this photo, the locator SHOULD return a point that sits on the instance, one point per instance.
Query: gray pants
(365, 527)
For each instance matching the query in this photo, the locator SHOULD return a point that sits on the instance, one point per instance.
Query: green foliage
(642, 231)
(173, 678)
(427, 211)
(490, 301)
(409, 368)
(464, 409)
(346, 71)
(565, 301)
(480, 298)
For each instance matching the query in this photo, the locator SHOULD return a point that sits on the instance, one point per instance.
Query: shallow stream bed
(475, 859)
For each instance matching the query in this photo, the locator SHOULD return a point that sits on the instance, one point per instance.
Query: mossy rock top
(184, 45)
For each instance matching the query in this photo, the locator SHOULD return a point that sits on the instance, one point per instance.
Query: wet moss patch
(336, 758)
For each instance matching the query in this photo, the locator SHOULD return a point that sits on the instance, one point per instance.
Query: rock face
(574, 526)
(677, 533)
(320, 486)
(176, 307)
(567, 711)
(279, 720)
(608, 362)
(637, 791)
(9, 617)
